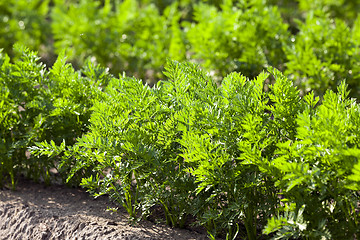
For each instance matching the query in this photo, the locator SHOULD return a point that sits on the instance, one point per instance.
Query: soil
(36, 211)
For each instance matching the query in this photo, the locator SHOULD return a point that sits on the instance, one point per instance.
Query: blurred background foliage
(315, 42)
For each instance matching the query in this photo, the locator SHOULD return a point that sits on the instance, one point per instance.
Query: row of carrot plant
(315, 43)
(246, 158)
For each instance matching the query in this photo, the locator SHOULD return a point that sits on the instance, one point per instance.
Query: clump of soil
(36, 211)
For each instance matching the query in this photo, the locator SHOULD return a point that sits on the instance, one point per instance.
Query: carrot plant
(325, 52)
(137, 37)
(239, 36)
(317, 171)
(133, 151)
(38, 104)
(236, 128)
(20, 89)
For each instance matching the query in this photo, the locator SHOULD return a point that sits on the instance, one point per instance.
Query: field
(239, 117)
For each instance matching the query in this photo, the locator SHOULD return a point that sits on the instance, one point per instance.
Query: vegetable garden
(242, 114)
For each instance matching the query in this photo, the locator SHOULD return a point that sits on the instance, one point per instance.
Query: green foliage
(40, 104)
(316, 172)
(24, 21)
(346, 10)
(132, 150)
(316, 43)
(325, 52)
(229, 188)
(245, 37)
(20, 85)
(122, 35)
